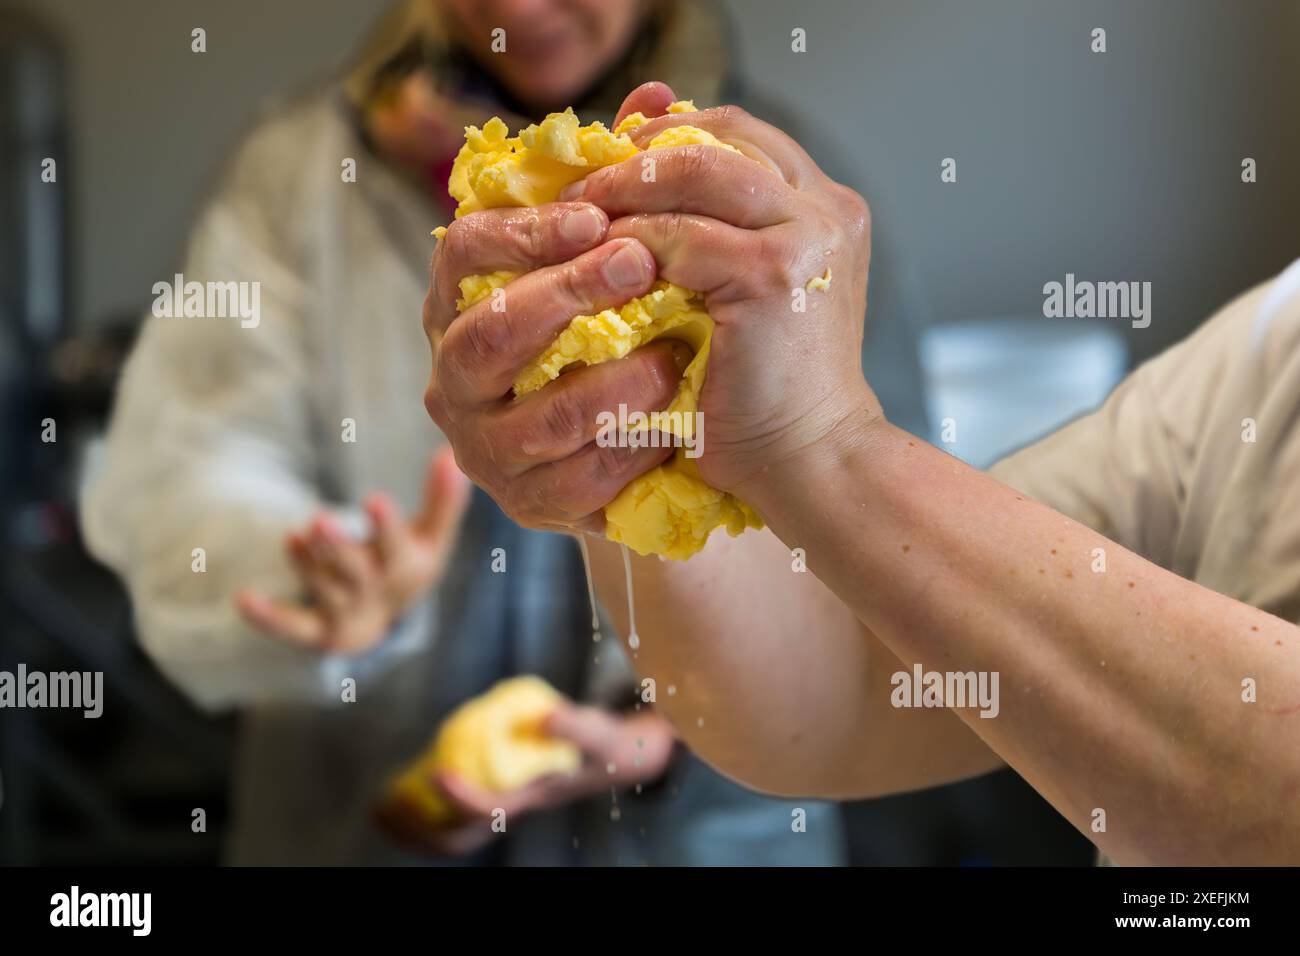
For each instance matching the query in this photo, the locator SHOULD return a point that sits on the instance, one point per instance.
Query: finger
(648, 99)
(405, 824)
(517, 240)
(708, 255)
(446, 495)
(483, 350)
(562, 418)
(557, 789)
(467, 799)
(316, 577)
(753, 137)
(289, 622)
(568, 494)
(346, 559)
(391, 532)
(594, 731)
(703, 180)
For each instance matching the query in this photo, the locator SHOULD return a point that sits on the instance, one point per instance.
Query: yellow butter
(670, 510)
(821, 283)
(494, 741)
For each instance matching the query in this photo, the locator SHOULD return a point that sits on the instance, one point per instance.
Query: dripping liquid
(633, 639)
(591, 590)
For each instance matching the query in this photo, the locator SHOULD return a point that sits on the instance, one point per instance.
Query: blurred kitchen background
(1123, 165)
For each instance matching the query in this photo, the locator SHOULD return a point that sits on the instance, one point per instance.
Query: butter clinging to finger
(670, 510)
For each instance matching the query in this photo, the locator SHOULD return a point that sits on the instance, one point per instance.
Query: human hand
(750, 236)
(358, 589)
(537, 456)
(618, 751)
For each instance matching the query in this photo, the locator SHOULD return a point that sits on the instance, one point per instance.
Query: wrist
(842, 450)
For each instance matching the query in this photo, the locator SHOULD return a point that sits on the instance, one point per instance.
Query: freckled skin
(1179, 754)
(1187, 773)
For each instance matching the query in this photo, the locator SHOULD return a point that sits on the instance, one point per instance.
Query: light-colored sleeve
(1124, 469)
(212, 446)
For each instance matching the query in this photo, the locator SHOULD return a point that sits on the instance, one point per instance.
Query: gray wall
(1123, 165)
(152, 121)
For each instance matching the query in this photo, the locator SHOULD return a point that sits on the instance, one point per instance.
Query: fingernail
(582, 225)
(573, 191)
(625, 268)
(682, 355)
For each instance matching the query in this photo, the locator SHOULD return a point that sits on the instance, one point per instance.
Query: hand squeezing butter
(670, 510)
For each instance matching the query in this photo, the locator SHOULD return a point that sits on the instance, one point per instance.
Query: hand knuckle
(456, 246)
(601, 181)
(436, 405)
(698, 161)
(520, 500)
(653, 377)
(610, 462)
(854, 211)
(776, 263)
(672, 227)
(486, 338)
(731, 115)
(530, 234)
(428, 317)
(565, 413)
(570, 286)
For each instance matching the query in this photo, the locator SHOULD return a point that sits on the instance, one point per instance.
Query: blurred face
(554, 49)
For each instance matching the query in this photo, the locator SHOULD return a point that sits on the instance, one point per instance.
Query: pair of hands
(617, 752)
(747, 231)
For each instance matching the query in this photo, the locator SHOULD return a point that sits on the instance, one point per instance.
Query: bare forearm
(769, 676)
(1121, 690)
(724, 659)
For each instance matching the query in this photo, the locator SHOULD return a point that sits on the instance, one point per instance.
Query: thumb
(446, 495)
(652, 99)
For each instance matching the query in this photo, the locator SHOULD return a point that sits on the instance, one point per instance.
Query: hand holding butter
(516, 749)
(709, 235)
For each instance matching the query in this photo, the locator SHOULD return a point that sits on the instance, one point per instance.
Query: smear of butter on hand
(821, 283)
(669, 510)
(494, 741)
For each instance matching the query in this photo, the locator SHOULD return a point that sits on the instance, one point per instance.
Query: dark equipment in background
(120, 788)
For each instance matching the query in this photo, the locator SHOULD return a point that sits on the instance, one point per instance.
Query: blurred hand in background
(618, 751)
(356, 589)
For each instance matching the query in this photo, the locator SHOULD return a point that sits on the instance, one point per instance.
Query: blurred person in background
(337, 542)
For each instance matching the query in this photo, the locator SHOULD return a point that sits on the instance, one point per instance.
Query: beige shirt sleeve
(1129, 469)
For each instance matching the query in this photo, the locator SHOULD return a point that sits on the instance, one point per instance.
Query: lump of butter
(494, 741)
(670, 510)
